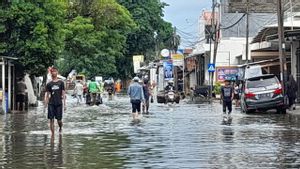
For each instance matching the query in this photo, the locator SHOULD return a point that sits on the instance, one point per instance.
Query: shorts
(136, 106)
(55, 111)
(236, 96)
(21, 98)
(228, 105)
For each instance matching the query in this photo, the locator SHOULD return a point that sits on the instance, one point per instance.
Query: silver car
(262, 93)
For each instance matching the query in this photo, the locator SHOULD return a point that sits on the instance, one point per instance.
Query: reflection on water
(171, 136)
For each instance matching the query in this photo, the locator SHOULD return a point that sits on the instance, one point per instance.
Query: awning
(270, 32)
(264, 63)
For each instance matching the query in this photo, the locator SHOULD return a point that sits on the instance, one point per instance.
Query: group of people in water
(55, 96)
(141, 94)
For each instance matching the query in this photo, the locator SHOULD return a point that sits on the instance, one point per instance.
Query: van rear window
(261, 82)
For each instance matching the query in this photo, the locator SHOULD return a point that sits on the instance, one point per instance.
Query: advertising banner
(226, 73)
(178, 59)
(137, 60)
(168, 70)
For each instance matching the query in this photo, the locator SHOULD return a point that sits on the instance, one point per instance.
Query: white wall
(193, 82)
(228, 50)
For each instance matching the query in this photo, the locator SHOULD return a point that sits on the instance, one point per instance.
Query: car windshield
(265, 83)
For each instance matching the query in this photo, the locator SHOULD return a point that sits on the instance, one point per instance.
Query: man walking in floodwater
(55, 100)
(136, 94)
(227, 93)
(21, 94)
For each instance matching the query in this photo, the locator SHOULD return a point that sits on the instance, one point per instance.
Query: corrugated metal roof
(271, 33)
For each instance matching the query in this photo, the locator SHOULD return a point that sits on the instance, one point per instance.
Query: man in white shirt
(78, 91)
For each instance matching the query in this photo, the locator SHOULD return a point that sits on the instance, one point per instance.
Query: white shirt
(79, 89)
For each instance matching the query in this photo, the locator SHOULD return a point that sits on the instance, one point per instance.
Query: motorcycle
(97, 97)
(170, 96)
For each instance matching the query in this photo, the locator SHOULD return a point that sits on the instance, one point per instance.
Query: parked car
(262, 93)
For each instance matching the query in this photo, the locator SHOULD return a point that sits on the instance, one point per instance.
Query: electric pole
(247, 33)
(282, 57)
(212, 53)
(214, 37)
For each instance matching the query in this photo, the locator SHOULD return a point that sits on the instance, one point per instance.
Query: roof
(207, 17)
(195, 54)
(9, 57)
(270, 32)
(259, 62)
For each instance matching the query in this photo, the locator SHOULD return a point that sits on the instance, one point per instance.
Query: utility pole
(282, 57)
(215, 34)
(247, 33)
(214, 37)
(211, 54)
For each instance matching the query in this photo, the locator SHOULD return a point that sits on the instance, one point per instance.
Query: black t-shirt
(55, 89)
(227, 93)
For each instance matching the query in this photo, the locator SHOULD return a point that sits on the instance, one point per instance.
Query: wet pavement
(171, 136)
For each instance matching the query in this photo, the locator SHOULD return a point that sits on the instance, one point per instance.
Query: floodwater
(171, 136)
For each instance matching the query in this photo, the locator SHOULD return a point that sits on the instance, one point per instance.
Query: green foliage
(96, 37)
(152, 31)
(217, 88)
(32, 32)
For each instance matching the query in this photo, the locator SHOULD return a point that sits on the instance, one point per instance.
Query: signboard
(226, 73)
(177, 56)
(168, 70)
(258, 6)
(137, 60)
(211, 67)
(98, 78)
(165, 53)
(178, 59)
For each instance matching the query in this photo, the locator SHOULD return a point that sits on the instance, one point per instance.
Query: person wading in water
(55, 100)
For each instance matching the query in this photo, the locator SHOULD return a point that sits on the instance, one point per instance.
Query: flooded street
(171, 136)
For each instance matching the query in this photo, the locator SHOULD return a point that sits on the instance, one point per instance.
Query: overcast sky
(184, 15)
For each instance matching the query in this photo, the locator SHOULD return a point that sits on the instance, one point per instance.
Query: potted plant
(217, 90)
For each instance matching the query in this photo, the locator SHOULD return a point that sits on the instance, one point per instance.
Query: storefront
(7, 83)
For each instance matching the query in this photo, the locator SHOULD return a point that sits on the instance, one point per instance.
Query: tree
(96, 36)
(83, 50)
(152, 31)
(32, 32)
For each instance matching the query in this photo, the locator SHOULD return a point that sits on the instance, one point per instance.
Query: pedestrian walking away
(55, 100)
(21, 94)
(147, 95)
(93, 90)
(237, 95)
(227, 93)
(78, 91)
(292, 89)
(136, 94)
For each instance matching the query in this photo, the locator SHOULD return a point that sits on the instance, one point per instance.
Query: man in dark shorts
(227, 93)
(136, 94)
(21, 94)
(55, 100)
(147, 95)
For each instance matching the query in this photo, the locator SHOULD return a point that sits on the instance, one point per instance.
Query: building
(232, 36)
